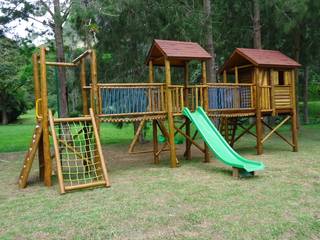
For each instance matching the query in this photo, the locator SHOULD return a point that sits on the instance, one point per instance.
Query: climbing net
(79, 160)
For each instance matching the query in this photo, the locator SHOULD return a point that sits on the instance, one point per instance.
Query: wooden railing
(195, 96)
(230, 96)
(123, 99)
(177, 96)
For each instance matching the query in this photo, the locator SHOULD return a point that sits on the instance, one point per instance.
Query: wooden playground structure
(256, 83)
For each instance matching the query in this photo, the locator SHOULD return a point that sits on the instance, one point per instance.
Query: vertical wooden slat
(173, 158)
(154, 122)
(57, 154)
(163, 105)
(197, 97)
(83, 82)
(273, 106)
(225, 76)
(94, 80)
(294, 120)
(44, 97)
(258, 111)
(37, 95)
(186, 102)
(236, 75)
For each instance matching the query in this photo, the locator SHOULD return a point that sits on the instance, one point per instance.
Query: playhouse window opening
(281, 77)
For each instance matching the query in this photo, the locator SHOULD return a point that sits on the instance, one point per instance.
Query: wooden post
(37, 97)
(154, 122)
(258, 111)
(85, 109)
(294, 120)
(94, 104)
(186, 102)
(173, 158)
(45, 126)
(236, 75)
(205, 106)
(225, 80)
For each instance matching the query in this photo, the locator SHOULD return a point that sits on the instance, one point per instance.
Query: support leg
(294, 127)
(259, 135)
(188, 142)
(155, 142)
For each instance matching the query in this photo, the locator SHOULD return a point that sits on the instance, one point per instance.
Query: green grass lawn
(195, 201)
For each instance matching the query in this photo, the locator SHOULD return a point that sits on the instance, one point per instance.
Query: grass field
(195, 201)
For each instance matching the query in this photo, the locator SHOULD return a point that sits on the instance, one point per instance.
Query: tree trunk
(305, 96)
(296, 50)
(211, 69)
(256, 25)
(58, 36)
(4, 117)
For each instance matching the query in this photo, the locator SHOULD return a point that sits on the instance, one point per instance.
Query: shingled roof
(176, 51)
(260, 58)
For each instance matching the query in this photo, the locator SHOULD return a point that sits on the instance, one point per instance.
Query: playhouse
(256, 83)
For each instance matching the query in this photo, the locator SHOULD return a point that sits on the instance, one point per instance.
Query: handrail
(230, 84)
(129, 84)
(37, 107)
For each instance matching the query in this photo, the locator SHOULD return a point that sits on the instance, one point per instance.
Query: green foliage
(14, 78)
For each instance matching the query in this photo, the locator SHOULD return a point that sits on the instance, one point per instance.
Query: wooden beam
(173, 158)
(99, 148)
(236, 75)
(258, 111)
(136, 136)
(186, 102)
(57, 154)
(83, 82)
(61, 64)
(205, 106)
(225, 76)
(294, 122)
(279, 135)
(190, 139)
(80, 57)
(37, 98)
(274, 129)
(45, 120)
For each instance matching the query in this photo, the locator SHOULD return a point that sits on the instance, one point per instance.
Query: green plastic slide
(218, 144)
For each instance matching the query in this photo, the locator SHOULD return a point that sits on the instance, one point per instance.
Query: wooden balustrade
(177, 98)
(195, 96)
(121, 99)
(230, 96)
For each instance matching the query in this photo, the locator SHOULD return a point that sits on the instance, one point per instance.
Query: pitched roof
(176, 51)
(259, 57)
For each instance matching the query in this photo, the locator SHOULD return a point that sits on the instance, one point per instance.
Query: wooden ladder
(228, 129)
(28, 160)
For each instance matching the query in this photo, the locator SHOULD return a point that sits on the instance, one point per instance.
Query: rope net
(79, 158)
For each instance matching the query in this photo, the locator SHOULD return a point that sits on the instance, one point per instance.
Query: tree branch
(47, 7)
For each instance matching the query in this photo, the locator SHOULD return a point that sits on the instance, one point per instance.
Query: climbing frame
(78, 153)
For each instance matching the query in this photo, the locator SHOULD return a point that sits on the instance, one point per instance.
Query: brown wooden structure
(269, 77)
(256, 83)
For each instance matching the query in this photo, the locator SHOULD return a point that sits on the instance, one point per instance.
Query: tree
(13, 95)
(211, 68)
(256, 25)
(51, 14)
